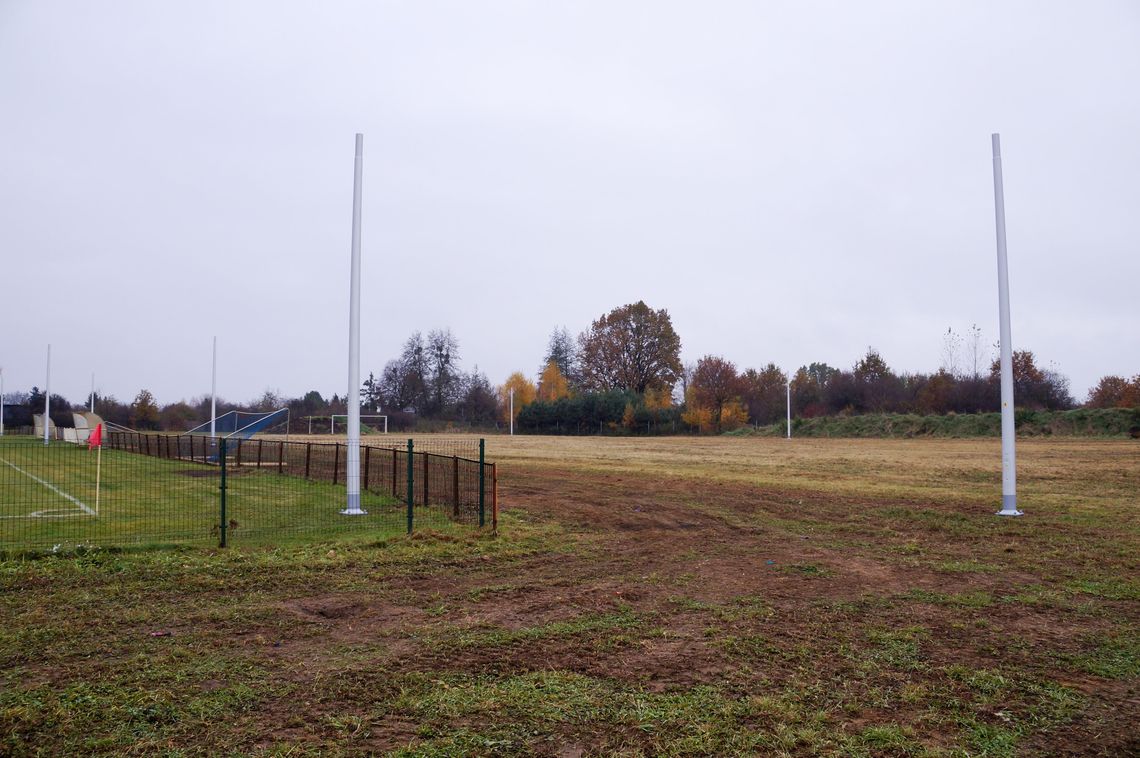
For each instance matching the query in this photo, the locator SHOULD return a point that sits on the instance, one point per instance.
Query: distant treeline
(624, 375)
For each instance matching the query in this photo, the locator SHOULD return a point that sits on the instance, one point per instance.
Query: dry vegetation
(675, 596)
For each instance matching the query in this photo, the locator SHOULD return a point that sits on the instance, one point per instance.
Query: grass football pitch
(48, 497)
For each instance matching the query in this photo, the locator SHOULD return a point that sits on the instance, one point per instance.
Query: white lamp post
(1008, 455)
(352, 461)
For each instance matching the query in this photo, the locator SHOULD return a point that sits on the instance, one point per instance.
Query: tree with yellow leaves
(552, 385)
(525, 393)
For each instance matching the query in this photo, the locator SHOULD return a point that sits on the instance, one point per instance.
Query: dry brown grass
(1054, 473)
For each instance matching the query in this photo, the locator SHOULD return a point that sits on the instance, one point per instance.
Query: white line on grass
(51, 487)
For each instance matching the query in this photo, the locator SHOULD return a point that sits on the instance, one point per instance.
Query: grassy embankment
(1095, 422)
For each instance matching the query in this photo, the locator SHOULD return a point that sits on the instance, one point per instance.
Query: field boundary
(50, 513)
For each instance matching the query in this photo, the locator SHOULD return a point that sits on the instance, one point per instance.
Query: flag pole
(98, 474)
(96, 440)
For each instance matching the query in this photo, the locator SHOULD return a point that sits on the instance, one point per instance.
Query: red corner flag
(96, 438)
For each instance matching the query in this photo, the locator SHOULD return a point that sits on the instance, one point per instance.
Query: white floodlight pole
(512, 411)
(47, 398)
(1008, 456)
(214, 392)
(789, 388)
(352, 461)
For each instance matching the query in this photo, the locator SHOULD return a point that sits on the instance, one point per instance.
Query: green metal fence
(161, 488)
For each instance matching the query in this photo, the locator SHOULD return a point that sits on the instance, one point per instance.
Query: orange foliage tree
(716, 387)
(552, 385)
(525, 393)
(1115, 392)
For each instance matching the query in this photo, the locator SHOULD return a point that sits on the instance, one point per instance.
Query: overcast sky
(793, 181)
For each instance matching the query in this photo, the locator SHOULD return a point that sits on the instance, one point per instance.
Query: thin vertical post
(512, 411)
(411, 485)
(308, 457)
(47, 398)
(426, 456)
(393, 472)
(259, 453)
(280, 457)
(367, 465)
(789, 388)
(482, 482)
(455, 486)
(214, 392)
(352, 469)
(222, 490)
(494, 498)
(1008, 454)
(336, 460)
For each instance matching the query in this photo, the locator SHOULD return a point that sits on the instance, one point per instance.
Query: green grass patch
(49, 500)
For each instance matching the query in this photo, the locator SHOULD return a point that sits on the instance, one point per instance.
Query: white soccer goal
(364, 423)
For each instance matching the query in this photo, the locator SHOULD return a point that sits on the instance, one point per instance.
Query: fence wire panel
(277, 488)
(65, 495)
(164, 488)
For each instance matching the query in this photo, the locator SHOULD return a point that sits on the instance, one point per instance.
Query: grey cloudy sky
(793, 181)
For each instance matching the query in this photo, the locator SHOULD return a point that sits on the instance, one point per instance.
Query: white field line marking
(51, 487)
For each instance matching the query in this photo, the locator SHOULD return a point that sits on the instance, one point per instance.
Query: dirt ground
(763, 588)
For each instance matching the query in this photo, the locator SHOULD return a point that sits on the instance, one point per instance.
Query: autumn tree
(695, 414)
(552, 384)
(1115, 392)
(716, 387)
(764, 392)
(144, 411)
(658, 400)
(1032, 386)
(524, 394)
(631, 348)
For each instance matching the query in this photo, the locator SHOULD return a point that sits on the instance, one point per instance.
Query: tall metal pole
(1008, 455)
(352, 473)
(214, 392)
(789, 388)
(47, 398)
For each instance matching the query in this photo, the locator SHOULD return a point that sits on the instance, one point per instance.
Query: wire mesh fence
(161, 488)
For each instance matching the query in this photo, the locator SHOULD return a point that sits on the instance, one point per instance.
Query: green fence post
(411, 485)
(222, 488)
(482, 483)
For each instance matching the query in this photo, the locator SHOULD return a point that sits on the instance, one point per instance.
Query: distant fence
(164, 488)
